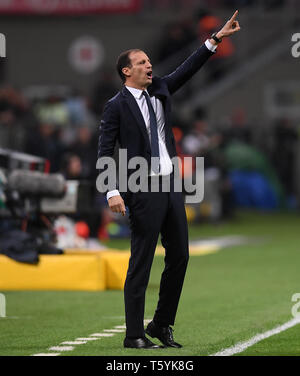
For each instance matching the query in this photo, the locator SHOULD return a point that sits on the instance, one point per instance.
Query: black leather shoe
(164, 334)
(140, 343)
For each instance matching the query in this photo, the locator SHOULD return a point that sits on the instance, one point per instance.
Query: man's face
(140, 73)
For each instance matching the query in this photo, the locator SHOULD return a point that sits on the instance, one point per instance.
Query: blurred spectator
(103, 91)
(44, 142)
(174, 48)
(201, 140)
(71, 167)
(204, 142)
(197, 142)
(85, 147)
(284, 154)
(14, 117)
(177, 37)
(77, 106)
(239, 129)
(52, 110)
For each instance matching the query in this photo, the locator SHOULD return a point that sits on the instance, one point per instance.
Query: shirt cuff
(113, 193)
(210, 46)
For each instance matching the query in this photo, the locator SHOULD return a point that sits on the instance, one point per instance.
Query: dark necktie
(154, 135)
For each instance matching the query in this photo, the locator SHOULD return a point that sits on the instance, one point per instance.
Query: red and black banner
(68, 7)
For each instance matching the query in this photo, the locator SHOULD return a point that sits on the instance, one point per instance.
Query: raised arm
(193, 63)
(187, 69)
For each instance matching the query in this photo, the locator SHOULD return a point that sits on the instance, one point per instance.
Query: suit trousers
(151, 214)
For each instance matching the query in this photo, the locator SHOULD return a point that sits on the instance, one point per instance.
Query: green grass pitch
(228, 297)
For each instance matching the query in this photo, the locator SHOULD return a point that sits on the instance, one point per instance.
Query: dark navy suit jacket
(123, 121)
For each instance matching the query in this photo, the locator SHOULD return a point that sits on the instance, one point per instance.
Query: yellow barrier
(75, 270)
(116, 269)
(54, 272)
(115, 262)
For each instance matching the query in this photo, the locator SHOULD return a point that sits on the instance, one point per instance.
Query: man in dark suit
(138, 117)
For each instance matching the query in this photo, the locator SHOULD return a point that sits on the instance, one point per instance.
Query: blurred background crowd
(241, 112)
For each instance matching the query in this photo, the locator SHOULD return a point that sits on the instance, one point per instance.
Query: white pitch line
(241, 346)
(102, 335)
(74, 343)
(61, 348)
(48, 354)
(114, 330)
(82, 341)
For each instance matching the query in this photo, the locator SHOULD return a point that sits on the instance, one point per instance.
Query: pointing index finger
(234, 16)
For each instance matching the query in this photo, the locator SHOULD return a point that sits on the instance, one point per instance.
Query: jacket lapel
(158, 92)
(134, 108)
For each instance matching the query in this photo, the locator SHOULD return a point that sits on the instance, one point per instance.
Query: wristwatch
(215, 38)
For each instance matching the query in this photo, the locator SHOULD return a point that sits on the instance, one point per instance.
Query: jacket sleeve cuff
(210, 46)
(110, 194)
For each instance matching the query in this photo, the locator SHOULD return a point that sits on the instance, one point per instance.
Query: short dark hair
(124, 61)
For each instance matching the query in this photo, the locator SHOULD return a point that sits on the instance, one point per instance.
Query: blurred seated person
(72, 167)
(44, 142)
(202, 142)
(104, 89)
(84, 147)
(14, 118)
(239, 129)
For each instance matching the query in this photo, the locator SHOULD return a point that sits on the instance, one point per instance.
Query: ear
(126, 71)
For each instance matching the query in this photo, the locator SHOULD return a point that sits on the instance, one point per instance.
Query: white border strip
(114, 330)
(102, 335)
(47, 354)
(61, 348)
(74, 343)
(241, 346)
(83, 340)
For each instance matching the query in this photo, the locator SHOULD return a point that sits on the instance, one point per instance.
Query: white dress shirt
(166, 166)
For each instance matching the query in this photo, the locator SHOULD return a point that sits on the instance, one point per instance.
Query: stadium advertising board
(68, 7)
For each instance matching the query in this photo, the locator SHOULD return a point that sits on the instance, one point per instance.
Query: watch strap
(215, 38)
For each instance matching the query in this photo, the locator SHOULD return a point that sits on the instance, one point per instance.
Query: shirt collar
(137, 93)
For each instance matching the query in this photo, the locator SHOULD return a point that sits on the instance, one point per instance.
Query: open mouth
(149, 74)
